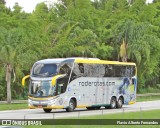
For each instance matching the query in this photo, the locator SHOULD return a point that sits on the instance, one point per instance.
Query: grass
(144, 90)
(148, 98)
(15, 106)
(94, 126)
(152, 114)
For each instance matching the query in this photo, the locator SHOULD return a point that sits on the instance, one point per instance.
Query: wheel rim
(120, 102)
(113, 103)
(71, 105)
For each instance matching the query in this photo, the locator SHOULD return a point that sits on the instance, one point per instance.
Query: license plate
(39, 106)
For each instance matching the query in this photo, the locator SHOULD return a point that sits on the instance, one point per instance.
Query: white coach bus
(90, 83)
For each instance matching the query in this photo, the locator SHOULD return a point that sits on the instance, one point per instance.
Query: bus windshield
(44, 70)
(41, 89)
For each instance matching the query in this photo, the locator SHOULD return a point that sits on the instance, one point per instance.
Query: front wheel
(71, 106)
(47, 110)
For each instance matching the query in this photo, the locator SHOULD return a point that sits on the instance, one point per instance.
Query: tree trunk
(8, 80)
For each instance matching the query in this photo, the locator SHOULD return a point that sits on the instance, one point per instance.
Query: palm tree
(8, 54)
(7, 57)
(134, 45)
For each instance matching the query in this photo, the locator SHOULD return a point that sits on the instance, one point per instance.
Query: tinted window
(88, 70)
(78, 70)
(96, 70)
(125, 71)
(102, 70)
(61, 85)
(65, 68)
(44, 70)
(119, 71)
(109, 71)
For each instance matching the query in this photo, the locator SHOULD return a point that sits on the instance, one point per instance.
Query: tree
(8, 55)
(2, 2)
(16, 50)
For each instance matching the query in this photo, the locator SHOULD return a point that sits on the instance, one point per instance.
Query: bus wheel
(113, 103)
(47, 110)
(71, 106)
(120, 102)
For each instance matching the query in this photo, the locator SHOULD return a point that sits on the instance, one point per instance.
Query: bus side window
(65, 68)
(109, 71)
(78, 71)
(133, 68)
(129, 71)
(89, 70)
(123, 70)
(118, 70)
(101, 70)
(81, 68)
(60, 89)
(62, 85)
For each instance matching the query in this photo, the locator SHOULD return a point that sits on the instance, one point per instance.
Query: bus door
(98, 74)
(62, 82)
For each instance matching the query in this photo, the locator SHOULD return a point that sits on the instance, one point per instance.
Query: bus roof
(60, 60)
(55, 60)
(83, 60)
(93, 61)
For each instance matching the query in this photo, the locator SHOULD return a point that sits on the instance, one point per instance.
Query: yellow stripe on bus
(131, 102)
(54, 107)
(82, 106)
(102, 62)
(24, 79)
(31, 107)
(54, 79)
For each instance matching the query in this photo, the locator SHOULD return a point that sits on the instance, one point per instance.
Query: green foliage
(14, 106)
(80, 28)
(149, 89)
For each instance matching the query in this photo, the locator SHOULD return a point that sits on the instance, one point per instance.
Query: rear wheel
(120, 102)
(47, 110)
(71, 106)
(113, 103)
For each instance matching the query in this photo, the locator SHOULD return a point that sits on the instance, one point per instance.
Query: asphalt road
(60, 113)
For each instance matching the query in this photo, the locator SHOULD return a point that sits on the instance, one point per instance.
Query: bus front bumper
(47, 104)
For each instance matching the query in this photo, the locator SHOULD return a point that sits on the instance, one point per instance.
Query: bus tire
(120, 102)
(71, 106)
(113, 103)
(47, 110)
